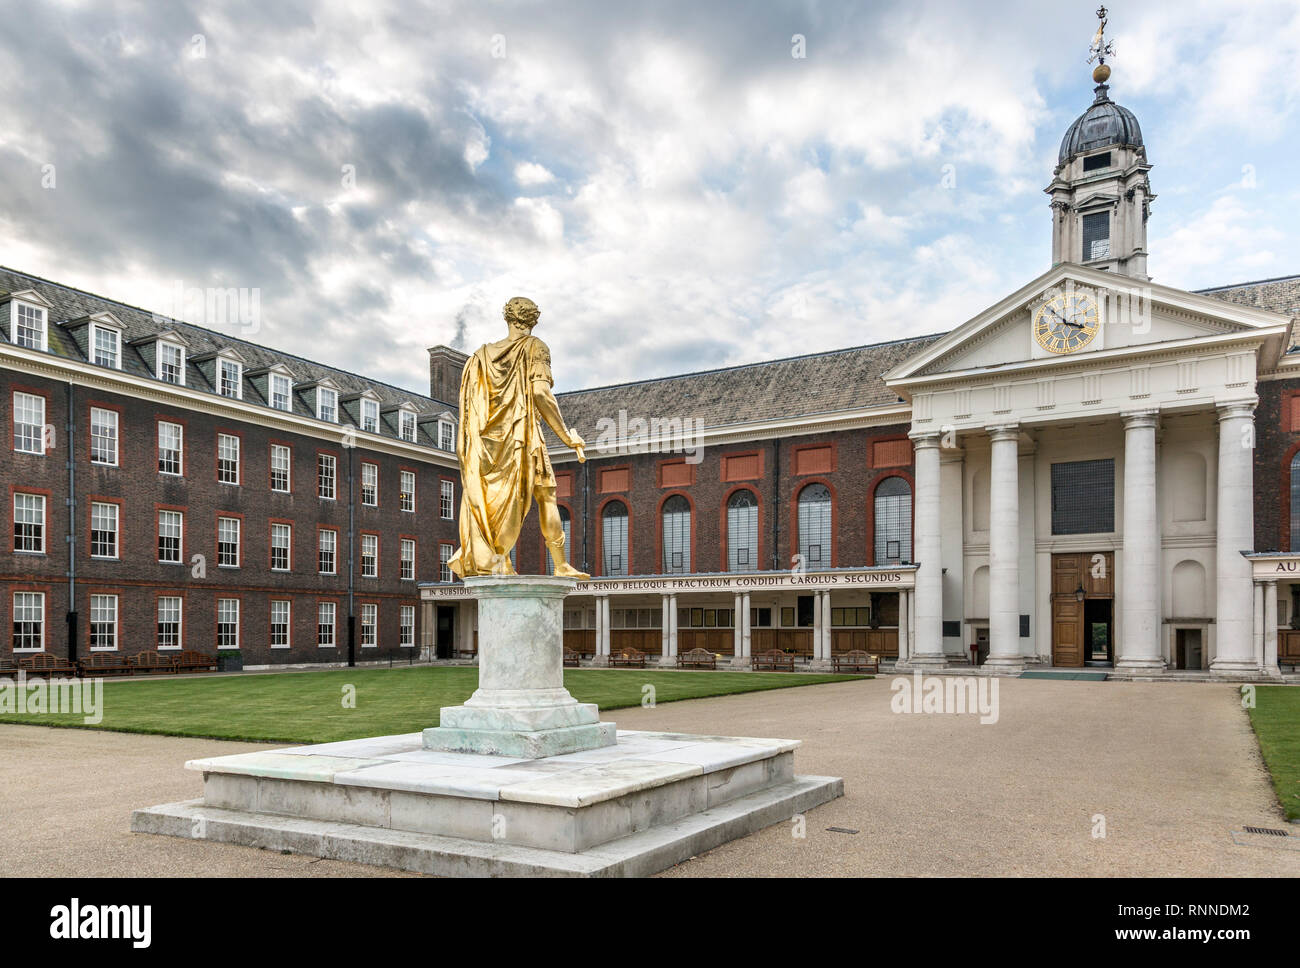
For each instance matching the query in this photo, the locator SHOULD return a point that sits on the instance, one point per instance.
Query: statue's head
(522, 311)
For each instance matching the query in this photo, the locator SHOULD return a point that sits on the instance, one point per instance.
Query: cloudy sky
(673, 187)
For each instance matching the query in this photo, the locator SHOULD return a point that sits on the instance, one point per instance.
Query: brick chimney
(445, 366)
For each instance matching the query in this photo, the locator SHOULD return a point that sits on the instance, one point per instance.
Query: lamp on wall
(1079, 593)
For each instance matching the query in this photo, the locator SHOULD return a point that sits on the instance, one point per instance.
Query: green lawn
(307, 707)
(1276, 718)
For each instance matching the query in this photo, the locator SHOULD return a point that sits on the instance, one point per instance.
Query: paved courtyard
(1172, 767)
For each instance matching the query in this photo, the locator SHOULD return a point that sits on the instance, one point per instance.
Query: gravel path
(1173, 768)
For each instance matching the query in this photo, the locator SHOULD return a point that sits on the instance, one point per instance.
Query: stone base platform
(631, 809)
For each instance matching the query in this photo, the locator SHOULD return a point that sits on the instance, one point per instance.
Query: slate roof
(1279, 295)
(69, 304)
(798, 386)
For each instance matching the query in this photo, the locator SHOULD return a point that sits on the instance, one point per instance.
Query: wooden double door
(1082, 630)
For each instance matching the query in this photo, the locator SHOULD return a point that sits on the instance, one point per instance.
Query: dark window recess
(1024, 626)
(805, 606)
(1096, 236)
(1094, 162)
(1083, 497)
(952, 630)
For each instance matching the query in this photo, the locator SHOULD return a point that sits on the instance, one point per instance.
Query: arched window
(742, 532)
(1295, 502)
(568, 541)
(677, 535)
(893, 521)
(613, 539)
(815, 526)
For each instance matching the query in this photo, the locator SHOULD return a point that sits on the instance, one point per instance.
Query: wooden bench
(775, 660)
(632, 658)
(105, 664)
(467, 653)
(572, 658)
(45, 664)
(187, 660)
(697, 659)
(855, 661)
(153, 662)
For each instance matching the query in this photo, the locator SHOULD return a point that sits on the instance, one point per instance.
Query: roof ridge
(1243, 285)
(757, 363)
(214, 332)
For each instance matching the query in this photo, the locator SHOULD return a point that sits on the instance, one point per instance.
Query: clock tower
(1101, 192)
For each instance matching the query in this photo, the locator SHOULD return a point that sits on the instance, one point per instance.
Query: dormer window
(280, 389)
(171, 363)
(446, 435)
(106, 347)
(230, 379)
(1096, 236)
(370, 415)
(29, 326)
(406, 425)
(327, 404)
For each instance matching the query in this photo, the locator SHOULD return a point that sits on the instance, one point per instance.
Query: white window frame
(372, 557)
(180, 621)
(222, 521)
(332, 462)
(41, 505)
(445, 551)
(225, 440)
(406, 627)
(22, 401)
(447, 433)
(405, 419)
(42, 324)
(180, 537)
(238, 381)
(371, 610)
(333, 550)
(93, 345)
(406, 560)
(288, 468)
(287, 623)
(369, 415)
(180, 448)
(37, 597)
(406, 496)
(159, 354)
(323, 394)
(221, 603)
(112, 422)
(333, 626)
(281, 380)
(285, 545)
(96, 506)
(370, 470)
(447, 500)
(104, 600)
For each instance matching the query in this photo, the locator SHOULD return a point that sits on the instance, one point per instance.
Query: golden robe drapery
(502, 452)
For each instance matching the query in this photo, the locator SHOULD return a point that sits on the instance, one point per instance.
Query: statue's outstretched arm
(549, 408)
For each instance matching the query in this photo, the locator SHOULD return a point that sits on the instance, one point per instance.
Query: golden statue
(504, 389)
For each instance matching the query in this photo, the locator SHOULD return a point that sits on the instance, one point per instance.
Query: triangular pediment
(1136, 317)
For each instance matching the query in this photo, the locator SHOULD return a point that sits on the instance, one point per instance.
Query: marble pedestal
(521, 707)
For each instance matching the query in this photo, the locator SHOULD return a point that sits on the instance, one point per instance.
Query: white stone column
(826, 626)
(1004, 549)
(1270, 629)
(737, 627)
(1138, 641)
(903, 628)
(1257, 627)
(665, 626)
(672, 629)
(817, 626)
(1236, 514)
(929, 554)
(747, 636)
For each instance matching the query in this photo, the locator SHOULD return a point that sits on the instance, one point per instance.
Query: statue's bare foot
(566, 570)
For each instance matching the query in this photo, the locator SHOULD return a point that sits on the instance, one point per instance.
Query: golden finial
(1100, 49)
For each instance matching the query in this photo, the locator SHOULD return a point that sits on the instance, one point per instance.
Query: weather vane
(1101, 48)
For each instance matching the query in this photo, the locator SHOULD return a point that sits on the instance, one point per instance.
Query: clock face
(1066, 322)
